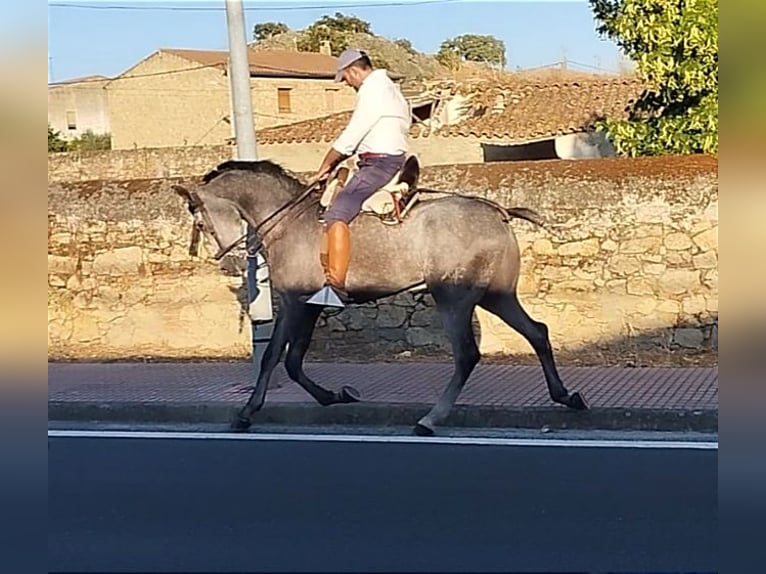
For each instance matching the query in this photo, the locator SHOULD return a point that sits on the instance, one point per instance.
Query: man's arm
(364, 117)
(331, 159)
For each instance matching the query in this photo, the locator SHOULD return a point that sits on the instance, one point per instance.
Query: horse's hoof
(423, 430)
(349, 395)
(578, 402)
(241, 424)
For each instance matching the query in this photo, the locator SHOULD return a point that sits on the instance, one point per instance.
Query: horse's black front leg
(269, 361)
(301, 329)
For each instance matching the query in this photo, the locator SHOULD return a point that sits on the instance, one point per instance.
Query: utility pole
(258, 286)
(239, 78)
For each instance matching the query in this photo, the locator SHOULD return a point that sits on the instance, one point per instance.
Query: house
(79, 105)
(481, 121)
(176, 98)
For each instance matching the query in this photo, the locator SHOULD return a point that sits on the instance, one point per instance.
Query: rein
(198, 205)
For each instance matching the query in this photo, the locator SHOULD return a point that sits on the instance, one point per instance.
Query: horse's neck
(262, 199)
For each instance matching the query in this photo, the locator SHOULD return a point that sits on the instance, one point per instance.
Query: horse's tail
(527, 214)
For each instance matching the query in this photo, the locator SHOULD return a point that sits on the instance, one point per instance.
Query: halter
(197, 205)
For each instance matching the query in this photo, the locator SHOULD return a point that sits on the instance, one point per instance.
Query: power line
(257, 9)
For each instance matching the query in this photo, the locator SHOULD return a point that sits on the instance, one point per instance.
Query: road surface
(129, 503)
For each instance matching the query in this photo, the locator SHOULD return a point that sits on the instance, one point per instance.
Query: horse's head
(217, 218)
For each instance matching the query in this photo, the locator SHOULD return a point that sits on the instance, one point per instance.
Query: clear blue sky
(91, 37)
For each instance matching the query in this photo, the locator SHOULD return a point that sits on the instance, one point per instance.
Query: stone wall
(146, 163)
(630, 256)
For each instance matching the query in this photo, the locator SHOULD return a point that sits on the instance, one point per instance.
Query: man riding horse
(378, 132)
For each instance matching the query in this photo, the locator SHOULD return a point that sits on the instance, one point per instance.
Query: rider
(378, 131)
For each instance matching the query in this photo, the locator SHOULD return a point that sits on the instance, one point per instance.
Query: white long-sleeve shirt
(381, 119)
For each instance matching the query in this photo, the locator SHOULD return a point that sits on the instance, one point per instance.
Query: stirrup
(326, 297)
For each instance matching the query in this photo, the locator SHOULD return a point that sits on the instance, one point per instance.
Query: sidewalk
(392, 394)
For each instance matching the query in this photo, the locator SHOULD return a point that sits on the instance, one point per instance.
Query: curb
(390, 415)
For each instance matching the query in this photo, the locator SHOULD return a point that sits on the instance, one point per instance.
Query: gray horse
(458, 248)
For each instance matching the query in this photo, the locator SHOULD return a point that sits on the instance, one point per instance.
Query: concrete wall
(630, 257)
(180, 161)
(167, 101)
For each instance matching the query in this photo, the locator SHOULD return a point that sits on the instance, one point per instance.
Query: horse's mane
(265, 167)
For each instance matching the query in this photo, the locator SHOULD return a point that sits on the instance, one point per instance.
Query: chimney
(324, 48)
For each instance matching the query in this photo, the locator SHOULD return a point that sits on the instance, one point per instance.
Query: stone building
(177, 98)
(78, 105)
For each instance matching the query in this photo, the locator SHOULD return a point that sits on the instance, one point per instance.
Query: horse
(459, 248)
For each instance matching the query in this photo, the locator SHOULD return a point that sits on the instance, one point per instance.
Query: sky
(87, 37)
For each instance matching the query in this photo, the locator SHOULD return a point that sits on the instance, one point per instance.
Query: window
(71, 120)
(283, 97)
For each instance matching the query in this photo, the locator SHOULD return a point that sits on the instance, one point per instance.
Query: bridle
(196, 205)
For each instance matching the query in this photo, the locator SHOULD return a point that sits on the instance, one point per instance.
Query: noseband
(197, 205)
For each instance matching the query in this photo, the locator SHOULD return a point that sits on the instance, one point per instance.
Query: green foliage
(269, 30)
(472, 48)
(675, 46)
(338, 30)
(55, 142)
(90, 141)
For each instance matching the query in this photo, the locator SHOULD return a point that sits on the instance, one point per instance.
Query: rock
(122, 261)
(678, 241)
(420, 337)
(689, 338)
(587, 248)
(56, 281)
(62, 265)
(706, 260)
(694, 305)
(543, 247)
(678, 258)
(624, 264)
(391, 316)
(707, 240)
(577, 285)
(639, 286)
(677, 281)
(617, 286)
(654, 268)
(609, 245)
(669, 306)
(425, 318)
(641, 245)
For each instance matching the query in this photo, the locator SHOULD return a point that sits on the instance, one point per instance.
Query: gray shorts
(373, 173)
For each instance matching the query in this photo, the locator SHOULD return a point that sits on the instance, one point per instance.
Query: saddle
(390, 203)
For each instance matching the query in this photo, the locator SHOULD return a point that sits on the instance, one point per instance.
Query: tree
(55, 142)
(405, 44)
(675, 47)
(338, 30)
(472, 48)
(268, 30)
(90, 141)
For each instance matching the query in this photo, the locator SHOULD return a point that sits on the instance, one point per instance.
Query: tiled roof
(525, 112)
(531, 111)
(273, 63)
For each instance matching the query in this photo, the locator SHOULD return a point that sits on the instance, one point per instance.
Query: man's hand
(330, 161)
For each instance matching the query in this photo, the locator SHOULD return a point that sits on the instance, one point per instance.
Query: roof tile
(274, 63)
(531, 111)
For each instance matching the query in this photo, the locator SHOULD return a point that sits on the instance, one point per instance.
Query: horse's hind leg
(507, 307)
(300, 338)
(455, 305)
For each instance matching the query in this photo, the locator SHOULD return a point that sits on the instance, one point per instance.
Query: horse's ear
(182, 191)
(191, 197)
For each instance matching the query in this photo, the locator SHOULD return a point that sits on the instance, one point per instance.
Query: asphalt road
(133, 504)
